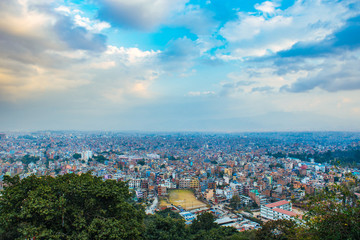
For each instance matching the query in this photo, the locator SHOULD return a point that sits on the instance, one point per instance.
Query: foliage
(277, 165)
(141, 162)
(164, 228)
(164, 225)
(77, 156)
(235, 202)
(168, 213)
(216, 233)
(172, 158)
(245, 235)
(348, 157)
(204, 221)
(28, 159)
(280, 229)
(68, 207)
(334, 213)
(99, 158)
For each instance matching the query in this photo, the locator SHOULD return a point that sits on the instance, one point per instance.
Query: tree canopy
(68, 207)
(77, 155)
(334, 213)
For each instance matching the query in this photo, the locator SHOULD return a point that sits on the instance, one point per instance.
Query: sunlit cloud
(174, 65)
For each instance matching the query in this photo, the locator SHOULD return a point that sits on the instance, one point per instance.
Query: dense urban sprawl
(242, 178)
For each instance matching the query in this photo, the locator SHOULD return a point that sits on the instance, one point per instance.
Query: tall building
(85, 155)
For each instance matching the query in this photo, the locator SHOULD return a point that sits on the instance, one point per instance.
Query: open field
(163, 204)
(185, 198)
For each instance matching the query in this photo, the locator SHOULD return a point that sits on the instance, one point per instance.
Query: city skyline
(181, 65)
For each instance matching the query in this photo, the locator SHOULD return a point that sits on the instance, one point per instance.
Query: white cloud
(63, 9)
(131, 55)
(253, 36)
(91, 25)
(251, 26)
(266, 7)
(206, 93)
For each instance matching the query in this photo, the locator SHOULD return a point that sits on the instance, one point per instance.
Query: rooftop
(277, 204)
(289, 213)
(285, 212)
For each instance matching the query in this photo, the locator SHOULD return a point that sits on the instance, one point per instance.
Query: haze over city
(180, 65)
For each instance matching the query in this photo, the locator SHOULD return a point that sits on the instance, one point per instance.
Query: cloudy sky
(180, 65)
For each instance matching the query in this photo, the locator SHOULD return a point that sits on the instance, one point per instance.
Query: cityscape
(244, 179)
(179, 119)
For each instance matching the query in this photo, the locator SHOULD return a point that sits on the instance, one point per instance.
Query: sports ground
(184, 198)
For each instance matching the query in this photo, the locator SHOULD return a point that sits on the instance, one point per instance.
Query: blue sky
(180, 65)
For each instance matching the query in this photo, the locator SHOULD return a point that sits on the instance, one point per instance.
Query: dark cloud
(347, 38)
(332, 78)
(339, 68)
(140, 15)
(121, 16)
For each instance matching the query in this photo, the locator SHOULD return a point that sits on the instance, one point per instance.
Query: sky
(180, 65)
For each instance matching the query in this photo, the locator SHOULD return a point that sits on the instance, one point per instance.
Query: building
(162, 190)
(188, 216)
(86, 155)
(277, 210)
(184, 183)
(134, 183)
(225, 220)
(194, 183)
(212, 185)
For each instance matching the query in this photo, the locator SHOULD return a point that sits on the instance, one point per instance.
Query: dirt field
(185, 198)
(163, 203)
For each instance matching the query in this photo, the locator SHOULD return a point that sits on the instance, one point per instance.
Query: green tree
(204, 221)
(100, 158)
(235, 202)
(77, 156)
(164, 228)
(28, 159)
(245, 235)
(141, 162)
(168, 213)
(218, 233)
(280, 229)
(68, 207)
(334, 213)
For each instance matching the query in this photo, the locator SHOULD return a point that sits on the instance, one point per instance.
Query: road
(151, 209)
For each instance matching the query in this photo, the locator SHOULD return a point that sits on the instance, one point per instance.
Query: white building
(168, 184)
(134, 183)
(277, 210)
(85, 155)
